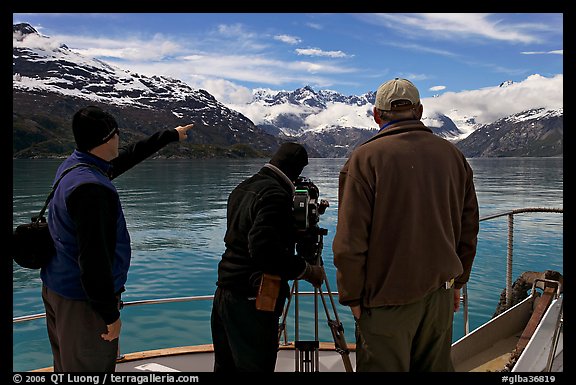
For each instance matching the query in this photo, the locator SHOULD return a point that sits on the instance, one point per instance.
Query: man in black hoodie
(260, 241)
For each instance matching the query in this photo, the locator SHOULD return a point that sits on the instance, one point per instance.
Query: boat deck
(200, 358)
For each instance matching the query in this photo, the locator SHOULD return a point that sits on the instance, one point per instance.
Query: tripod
(307, 352)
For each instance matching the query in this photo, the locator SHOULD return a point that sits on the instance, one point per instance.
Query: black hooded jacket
(260, 235)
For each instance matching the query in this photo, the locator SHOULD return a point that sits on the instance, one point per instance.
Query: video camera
(309, 243)
(307, 211)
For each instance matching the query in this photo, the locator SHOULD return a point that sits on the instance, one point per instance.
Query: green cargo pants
(416, 337)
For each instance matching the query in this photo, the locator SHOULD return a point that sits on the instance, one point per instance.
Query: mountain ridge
(50, 82)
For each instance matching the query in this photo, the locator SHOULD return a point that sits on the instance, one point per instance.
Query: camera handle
(306, 353)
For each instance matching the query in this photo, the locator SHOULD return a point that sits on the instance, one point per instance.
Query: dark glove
(313, 274)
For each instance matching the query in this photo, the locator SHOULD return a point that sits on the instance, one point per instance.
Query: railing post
(119, 355)
(464, 299)
(509, 260)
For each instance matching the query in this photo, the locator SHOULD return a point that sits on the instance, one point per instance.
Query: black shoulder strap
(41, 215)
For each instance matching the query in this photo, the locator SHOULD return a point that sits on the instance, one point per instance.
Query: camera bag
(32, 244)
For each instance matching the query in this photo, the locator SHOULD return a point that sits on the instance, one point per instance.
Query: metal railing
(509, 256)
(464, 297)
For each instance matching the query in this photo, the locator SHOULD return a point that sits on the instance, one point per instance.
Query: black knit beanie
(291, 158)
(92, 127)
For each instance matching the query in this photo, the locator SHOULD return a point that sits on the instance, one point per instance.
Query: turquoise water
(176, 214)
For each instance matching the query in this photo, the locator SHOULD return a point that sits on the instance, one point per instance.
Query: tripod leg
(316, 335)
(336, 326)
(282, 325)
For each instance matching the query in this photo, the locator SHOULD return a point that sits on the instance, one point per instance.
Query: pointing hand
(182, 131)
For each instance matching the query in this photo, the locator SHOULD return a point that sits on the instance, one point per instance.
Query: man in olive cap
(83, 282)
(260, 242)
(405, 239)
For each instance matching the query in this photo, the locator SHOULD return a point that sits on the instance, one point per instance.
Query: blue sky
(229, 54)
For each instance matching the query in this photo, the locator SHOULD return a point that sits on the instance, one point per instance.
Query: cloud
(127, 49)
(319, 52)
(260, 114)
(236, 53)
(229, 38)
(413, 77)
(421, 48)
(228, 52)
(342, 115)
(314, 26)
(437, 88)
(34, 41)
(555, 52)
(460, 25)
(225, 90)
(492, 103)
(314, 118)
(288, 39)
(236, 31)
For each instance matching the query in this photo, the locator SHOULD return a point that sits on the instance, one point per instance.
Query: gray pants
(74, 330)
(408, 338)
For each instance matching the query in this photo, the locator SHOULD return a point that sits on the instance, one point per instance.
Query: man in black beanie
(82, 283)
(92, 127)
(260, 248)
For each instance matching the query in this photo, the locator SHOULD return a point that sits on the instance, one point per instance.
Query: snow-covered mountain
(467, 110)
(328, 122)
(50, 82)
(334, 124)
(304, 110)
(537, 132)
